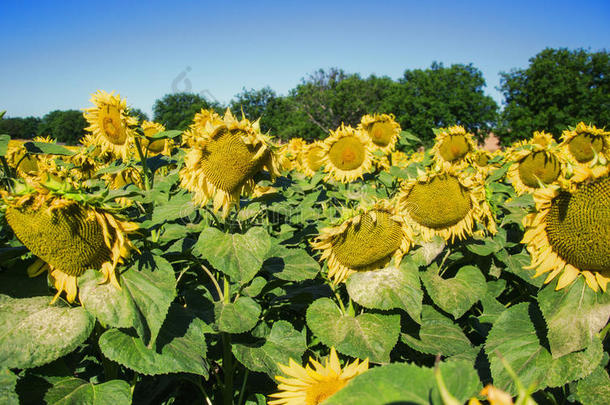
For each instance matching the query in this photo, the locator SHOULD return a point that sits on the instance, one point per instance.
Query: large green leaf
(461, 380)
(180, 347)
(46, 148)
(515, 337)
(389, 288)
(74, 391)
(438, 335)
(238, 256)
(8, 382)
(237, 317)
(455, 295)
(595, 388)
(112, 307)
(290, 264)
(150, 285)
(33, 333)
(391, 384)
(178, 206)
(573, 315)
(281, 344)
(371, 336)
(4, 140)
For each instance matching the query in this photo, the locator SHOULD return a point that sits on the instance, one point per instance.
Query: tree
(559, 88)
(63, 126)
(139, 114)
(176, 111)
(444, 96)
(254, 103)
(20, 128)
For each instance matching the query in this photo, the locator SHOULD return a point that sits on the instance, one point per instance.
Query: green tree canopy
(19, 128)
(176, 110)
(139, 114)
(63, 126)
(559, 88)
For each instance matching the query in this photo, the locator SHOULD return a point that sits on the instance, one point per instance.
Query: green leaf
(237, 317)
(391, 384)
(47, 148)
(281, 344)
(74, 391)
(455, 295)
(151, 290)
(238, 256)
(181, 347)
(178, 206)
(515, 337)
(172, 133)
(8, 382)
(371, 336)
(290, 264)
(428, 251)
(389, 288)
(255, 288)
(4, 140)
(515, 264)
(438, 335)
(573, 315)
(33, 333)
(595, 388)
(461, 380)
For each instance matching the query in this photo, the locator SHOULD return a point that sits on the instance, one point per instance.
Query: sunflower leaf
(595, 388)
(180, 348)
(8, 382)
(76, 391)
(4, 140)
(237, 317)
(281, 344)
(389, 288)
(573, 315)
(367, 335)
(47, 148)
(516, 337)
(455, 295)
(238, 256)
(34, 333)
(461, 380)
(290, 264)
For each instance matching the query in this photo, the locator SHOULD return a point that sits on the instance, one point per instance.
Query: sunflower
(536, 163)
(400, 159)
(453, 147)
(157, 146)
(369, 240)
(445, 203)
(110, 124)
(25, 164)
(123, 178)
(586, 145)
(290, 154)
(311, 385)
(382, 130)
(568, 233)
(312, 158)
(348, 154)
(68, 236)
(223, 159)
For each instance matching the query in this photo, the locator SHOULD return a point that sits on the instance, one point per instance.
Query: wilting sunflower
(67, 236)
(400, 159)
(311, 385)
(223, 160)
(586, 145)
(25, 164)
(157, 146)
(123, 178)
(568, 233)
(110, 123)
(312, 158)
(453, 147)
(348, 154)
(536, 163)
(382, 130)
(445, 203)
(369, 240)
(290, 154)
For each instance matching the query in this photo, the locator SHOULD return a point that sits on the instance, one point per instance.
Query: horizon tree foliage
(559, 88)
(176, 110)
(19, 127)
(64, 126)
(139, 114)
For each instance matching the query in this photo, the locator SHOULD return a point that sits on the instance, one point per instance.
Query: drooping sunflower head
(568, 233)
(313, 384)
(535, 163)
(25, 164)
(586, 144)
(368, 240)
(68, 236)
(154, 147)
(120, 179)
(290, 154)
(453, 147)
(445, 203)
(347, 154)
(382, 130)
(312, 158)
(223, 159)
(201, 119)
(110, 124)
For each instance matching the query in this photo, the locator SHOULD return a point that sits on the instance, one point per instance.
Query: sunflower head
(445, 203)
(382, 130)
(312, 158)
(154, 147)
(347, 154)
(110, 124)
(586, 144)
(313, 384)
(568, 233)
(367, 240)
(453, 147)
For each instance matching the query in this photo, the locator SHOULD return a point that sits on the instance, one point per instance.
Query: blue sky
(55, 54)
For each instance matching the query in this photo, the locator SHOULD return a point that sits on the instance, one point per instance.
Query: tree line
(560, 87)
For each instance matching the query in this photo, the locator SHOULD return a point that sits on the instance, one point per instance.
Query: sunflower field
(218, 266)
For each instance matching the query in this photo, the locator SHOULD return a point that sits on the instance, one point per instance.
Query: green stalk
(227, 356)
(143, 161)
(243, 388)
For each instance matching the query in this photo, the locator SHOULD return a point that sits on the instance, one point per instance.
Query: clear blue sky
(56, 53)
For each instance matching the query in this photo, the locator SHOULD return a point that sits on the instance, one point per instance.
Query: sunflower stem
(242, 391)
(227, 368)
(215, 282)
(143, 161)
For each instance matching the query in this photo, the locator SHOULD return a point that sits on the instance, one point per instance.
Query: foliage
(176, 110)
(20, 128)
(63, 126)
